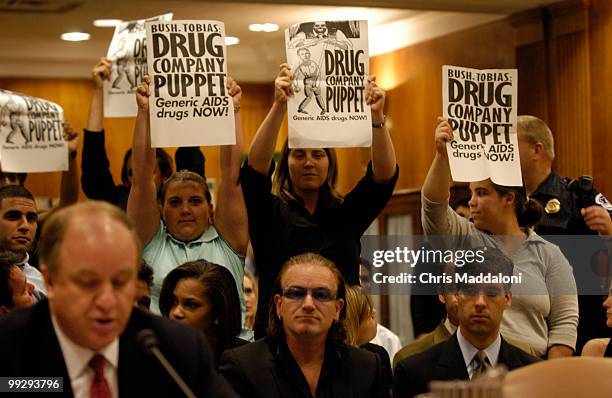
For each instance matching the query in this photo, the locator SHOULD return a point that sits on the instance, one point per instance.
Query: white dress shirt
(33, 276)
(388, 340)
(77, 362)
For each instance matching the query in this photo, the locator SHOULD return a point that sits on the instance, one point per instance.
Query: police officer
(570, 208)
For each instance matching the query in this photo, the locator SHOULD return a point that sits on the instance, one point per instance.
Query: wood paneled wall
(600, 51)
(563, 57)
(413, 79)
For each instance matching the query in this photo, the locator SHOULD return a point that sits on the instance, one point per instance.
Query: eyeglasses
(490, 291)
(320, 294)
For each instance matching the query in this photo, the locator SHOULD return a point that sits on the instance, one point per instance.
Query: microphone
(148, 340)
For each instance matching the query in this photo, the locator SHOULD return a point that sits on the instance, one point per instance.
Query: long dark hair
(337, 331)
(164, 161)
(8, 260)
(282, 185)
(528, 211)
(220, 289)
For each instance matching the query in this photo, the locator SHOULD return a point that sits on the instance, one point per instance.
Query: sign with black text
(127, 55)
(481, 107)
(189, 103)
(330, 67)
(31, 134)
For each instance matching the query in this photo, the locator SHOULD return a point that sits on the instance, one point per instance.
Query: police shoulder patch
(602, 201)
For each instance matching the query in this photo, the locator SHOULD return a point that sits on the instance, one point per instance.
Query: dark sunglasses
(320, 294)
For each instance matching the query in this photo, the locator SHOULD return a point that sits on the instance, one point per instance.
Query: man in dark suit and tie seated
(446, 328)
(477, 344)
(86, 332)
(304, 354)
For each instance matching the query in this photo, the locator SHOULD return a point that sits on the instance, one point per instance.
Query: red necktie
(99, 385)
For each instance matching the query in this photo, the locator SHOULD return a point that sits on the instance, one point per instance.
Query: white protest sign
(31, 134)
(480, 106)
(330, 68)
(127, 55)
(189, 103)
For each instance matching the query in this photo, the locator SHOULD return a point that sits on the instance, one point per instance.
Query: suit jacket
(439, 335)
(444, 361)
(267, 369)
(29, 347)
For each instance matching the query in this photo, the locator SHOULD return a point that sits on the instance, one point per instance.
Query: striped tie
(481, 364)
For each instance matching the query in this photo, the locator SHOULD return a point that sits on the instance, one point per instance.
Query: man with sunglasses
(477, 344)
(304, 354)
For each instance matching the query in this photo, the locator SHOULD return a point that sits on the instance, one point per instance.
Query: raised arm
(437, 183)
(100, 72)
(69, 191)
(262, 147)
(383, 152)
(96, 179)
(142, 206)
(436, 215)
(231, 217)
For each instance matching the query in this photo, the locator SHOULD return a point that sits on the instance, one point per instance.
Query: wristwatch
(381, 124)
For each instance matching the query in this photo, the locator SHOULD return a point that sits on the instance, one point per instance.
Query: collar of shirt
(24, 261)
(332, 359)
(533, 237)
(551, 186)
(449, 326)
(207, 236)
(33, 276)
(468, 351)
(77, 357)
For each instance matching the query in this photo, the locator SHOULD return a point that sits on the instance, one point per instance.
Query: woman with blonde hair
(301, 210)
(250, 298)
(360, 320)
(360, 325)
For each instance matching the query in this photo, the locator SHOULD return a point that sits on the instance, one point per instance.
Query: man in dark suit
(87, 331)
(304, 355)
(444, 331)
(477, 344)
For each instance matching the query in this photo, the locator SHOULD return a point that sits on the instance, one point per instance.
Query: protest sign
(127, 55)
(330, 67)
(480, 106)
(31, 134)
(189, 103)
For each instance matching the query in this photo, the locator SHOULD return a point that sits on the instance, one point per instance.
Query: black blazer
(260, 369)
(29, 347)
(444, 361)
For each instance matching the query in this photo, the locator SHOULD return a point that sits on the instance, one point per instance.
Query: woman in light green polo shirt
(185, 227)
